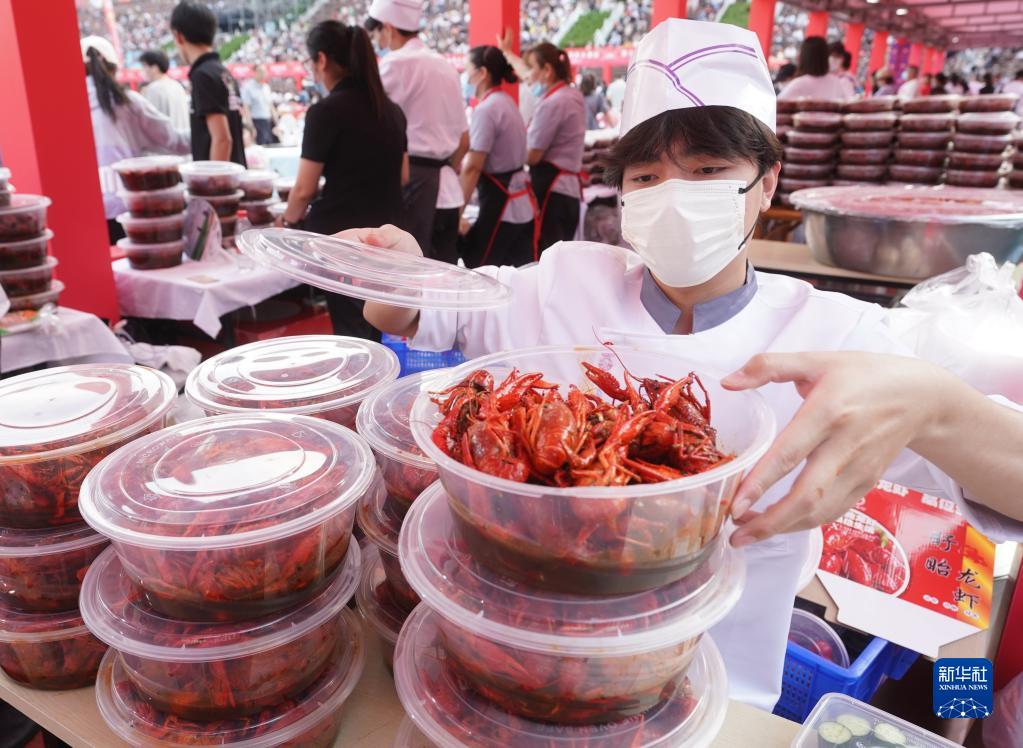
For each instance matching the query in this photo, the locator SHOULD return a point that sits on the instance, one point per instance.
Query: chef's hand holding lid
(384, 316)
(859, 411)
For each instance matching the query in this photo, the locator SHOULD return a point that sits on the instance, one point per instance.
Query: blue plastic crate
(808, 676)
(413, 361)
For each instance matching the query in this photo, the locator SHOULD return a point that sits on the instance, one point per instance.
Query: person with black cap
(429, 92)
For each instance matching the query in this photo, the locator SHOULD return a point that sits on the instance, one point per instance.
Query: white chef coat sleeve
(913, 471)
(477, 333)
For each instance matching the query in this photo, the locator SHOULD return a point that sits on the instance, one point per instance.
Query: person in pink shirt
(813, 77)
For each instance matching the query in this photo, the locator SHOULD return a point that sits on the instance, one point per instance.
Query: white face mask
(686, 231)
(835, 64)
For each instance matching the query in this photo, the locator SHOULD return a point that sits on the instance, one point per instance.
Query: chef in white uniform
(696, 163)
(429, 92)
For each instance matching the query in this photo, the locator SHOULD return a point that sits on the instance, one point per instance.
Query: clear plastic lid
(227, 481)
(146, 163)
(129, 221)
(258, 175)
(127, 711)
(300, 374)
(815, 635)
(383, 418)
(923, 203)
(117, 614)
(451, 715)
(211, 168)
(233, 197)
(439, 566)
(173, 191)
(843, 710)
(17, 627)
(380, 613)
(53, 412)
(128, 245)
(860, 120)
(371, 273)
(33, 301)
(21, 203)
(47, 542)
(21, 243)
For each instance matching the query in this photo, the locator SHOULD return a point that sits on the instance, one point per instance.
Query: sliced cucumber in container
(834, 735)
(859, 727)
(889, 736)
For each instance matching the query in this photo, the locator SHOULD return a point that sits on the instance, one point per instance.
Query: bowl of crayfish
(590, 469)
(556, 657)
(232, 517)
(216, 670)
(450, 712)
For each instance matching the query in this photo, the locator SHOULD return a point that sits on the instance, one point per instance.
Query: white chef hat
(683, 64)
(106, 49)
(406, 15)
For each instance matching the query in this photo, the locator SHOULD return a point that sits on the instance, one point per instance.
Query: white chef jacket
(827, 86)
(429, 92)
(582, 292)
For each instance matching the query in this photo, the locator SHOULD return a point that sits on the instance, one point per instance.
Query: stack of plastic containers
(385, 597)
(869, 129)
(155, 220)
(810, 156)
(326, 376)
(56, 425)
(26, 272)
(925, 130)
(786, 108)
(1016, 175)
(571, 616)
(982, 141)
(223, 594)
(258, 197)
(217, 182)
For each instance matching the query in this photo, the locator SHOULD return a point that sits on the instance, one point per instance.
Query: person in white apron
(503, 233)
(427, 88)
(696, 164)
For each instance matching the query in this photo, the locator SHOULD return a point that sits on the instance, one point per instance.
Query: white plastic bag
(969, 321)
(1004, 728)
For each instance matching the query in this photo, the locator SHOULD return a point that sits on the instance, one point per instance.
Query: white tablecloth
(200, 292)
(76, 338)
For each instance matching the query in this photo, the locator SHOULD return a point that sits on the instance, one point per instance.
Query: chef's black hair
(194, 21)
(722, 131)
(491, 59)
(350, 48)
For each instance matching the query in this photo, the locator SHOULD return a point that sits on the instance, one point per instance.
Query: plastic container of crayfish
(808, 139)
(225, 206)
(380, 518)
(257, 184)
(915, 174)
(808, 155)
(976, 161)
(23, 218)
(864, 155)
(56, 424)
(27, 281)
(451, 713)
(867, 138)
(25, 253)
(310, 719)
(972, 178)
(211, 178)
(989, 103)
(969, 143)
(920, 158)
(155, 203)
(48, 651)
(938, 122)
(205, 671)
(375, 600)
(808, 104)
(383, 421)
(927, 141)
(872, 105)
(597, 539)
(817, 121)
(326, 376)
(41, 570)
(147, 173)
(232, 517)
(988, 123)
(869, 122)
(930, 104)
(37, 300)
(807, 171)
(556, 657)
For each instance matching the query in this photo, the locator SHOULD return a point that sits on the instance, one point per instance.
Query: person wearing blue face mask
(697, 163)
(355, 139)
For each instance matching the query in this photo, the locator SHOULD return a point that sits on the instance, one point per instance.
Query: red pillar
(853, 41)
(937, 61)
(817, 24)
(761, 22)
(916, 53)
(46, 141)
(878, 56)
(489, 18)
(664, 9)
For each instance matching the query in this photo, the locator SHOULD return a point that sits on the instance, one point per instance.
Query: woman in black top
(355, 139)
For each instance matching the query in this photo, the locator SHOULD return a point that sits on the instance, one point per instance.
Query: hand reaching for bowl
(392, 320)
(859, 411)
